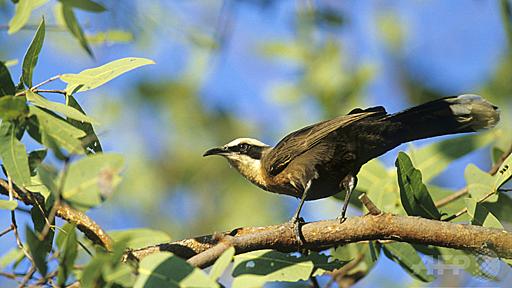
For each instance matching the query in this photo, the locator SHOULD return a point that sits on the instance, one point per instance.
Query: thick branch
(326, 234)
(85, 224)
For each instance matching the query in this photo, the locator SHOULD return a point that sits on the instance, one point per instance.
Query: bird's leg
(296, 220)
(348, 183)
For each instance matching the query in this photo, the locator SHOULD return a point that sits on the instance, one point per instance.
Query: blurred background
(262, 68)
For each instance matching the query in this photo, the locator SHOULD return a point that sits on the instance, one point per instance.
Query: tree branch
(326, 234)
(85, 224)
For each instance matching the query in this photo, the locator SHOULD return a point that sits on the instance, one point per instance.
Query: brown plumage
(320, 160)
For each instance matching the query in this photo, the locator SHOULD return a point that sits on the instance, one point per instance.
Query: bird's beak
(216, 151)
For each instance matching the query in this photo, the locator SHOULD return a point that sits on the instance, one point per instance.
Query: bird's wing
(300, 141)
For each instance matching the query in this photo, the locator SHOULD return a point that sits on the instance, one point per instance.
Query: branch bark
(85, 224)
(326, 234)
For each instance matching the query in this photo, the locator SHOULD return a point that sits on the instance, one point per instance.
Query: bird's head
(244, 154)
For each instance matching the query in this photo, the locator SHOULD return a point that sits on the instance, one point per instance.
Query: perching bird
(322, 159)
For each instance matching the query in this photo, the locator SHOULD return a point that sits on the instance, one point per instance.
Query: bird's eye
(243, 147)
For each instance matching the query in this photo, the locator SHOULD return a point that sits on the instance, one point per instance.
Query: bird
(324, 158)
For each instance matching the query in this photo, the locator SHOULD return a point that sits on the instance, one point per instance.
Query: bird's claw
(341, 219)
(296, 225)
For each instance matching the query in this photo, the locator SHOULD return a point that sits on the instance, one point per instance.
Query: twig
(28, 276)
(372, 208)
(83, 222)
(464, 191)
(338, 274)
(209, 256)
(7, 230)
(45, 82)
(326, 234)
(57, 91)
(465, 210)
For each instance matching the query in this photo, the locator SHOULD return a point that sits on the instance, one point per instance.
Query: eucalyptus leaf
(140, 237)
(94, 77)
(65, 110)
(67, 243)
(63, 133)
(407, 257)
(480, 215)
(91, 140)
(30, 59)
(86, 5)
(12, 107)
(37, 250)
(74, 27)
(504, 172)
(40, 218)
(14, 155)
(222, 263)
(480, 184)
(414, 195)
(6, 85)
(22, 13)
(166, 270)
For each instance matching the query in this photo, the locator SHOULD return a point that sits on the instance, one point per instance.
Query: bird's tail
(451, 115)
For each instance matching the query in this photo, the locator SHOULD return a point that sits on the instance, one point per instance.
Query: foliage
(51, 149)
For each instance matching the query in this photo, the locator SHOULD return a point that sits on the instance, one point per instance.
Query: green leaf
(8, 204)
(413, 193)
(68, 250)
(39, 219)
(92, 178)
(63, 133)
(166, 270)
(12, 107)
(23, 10)
(6, 85)
(110, 36)
(11, 62)
(30, 59)
(35, 158)
(94, 77)
(480, 215)
(140, 237)
(37, 250)
(11, 256)
(502, 208)
(258, 267)
(14, 155)
(434, 158)
(74, 27)
(479, 183)
(407, 257)
(67, 111)
(504, 173)
(222, 263)
(91, 141)
(86, 5)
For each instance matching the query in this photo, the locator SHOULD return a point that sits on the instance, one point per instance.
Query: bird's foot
(296, 226)
(341, 218)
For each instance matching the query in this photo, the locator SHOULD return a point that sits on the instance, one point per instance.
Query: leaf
(12, 107)
(39, 219)
(30, 59)
(434, 158)
(407, 257)
(14, 155)
(11, 62)
(68, 250)
(94, 77)
(258, 267)
(74, 27)
(504, 172)
(6, 84)
(480, 215)
(86, 5)
(37, 250)
(92, 178)
(110, 36)
(63, 133)
(479, 183)
(91, 140)
(65, 110)
(140, 237)
(502, 208)
(11, 256)
(222, 263)
(8, 204)
(166, 270)
(35, 158)
(413, 193)
(23, 10)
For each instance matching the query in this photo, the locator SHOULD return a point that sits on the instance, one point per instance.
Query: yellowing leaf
(23, 10)
(94, 77)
